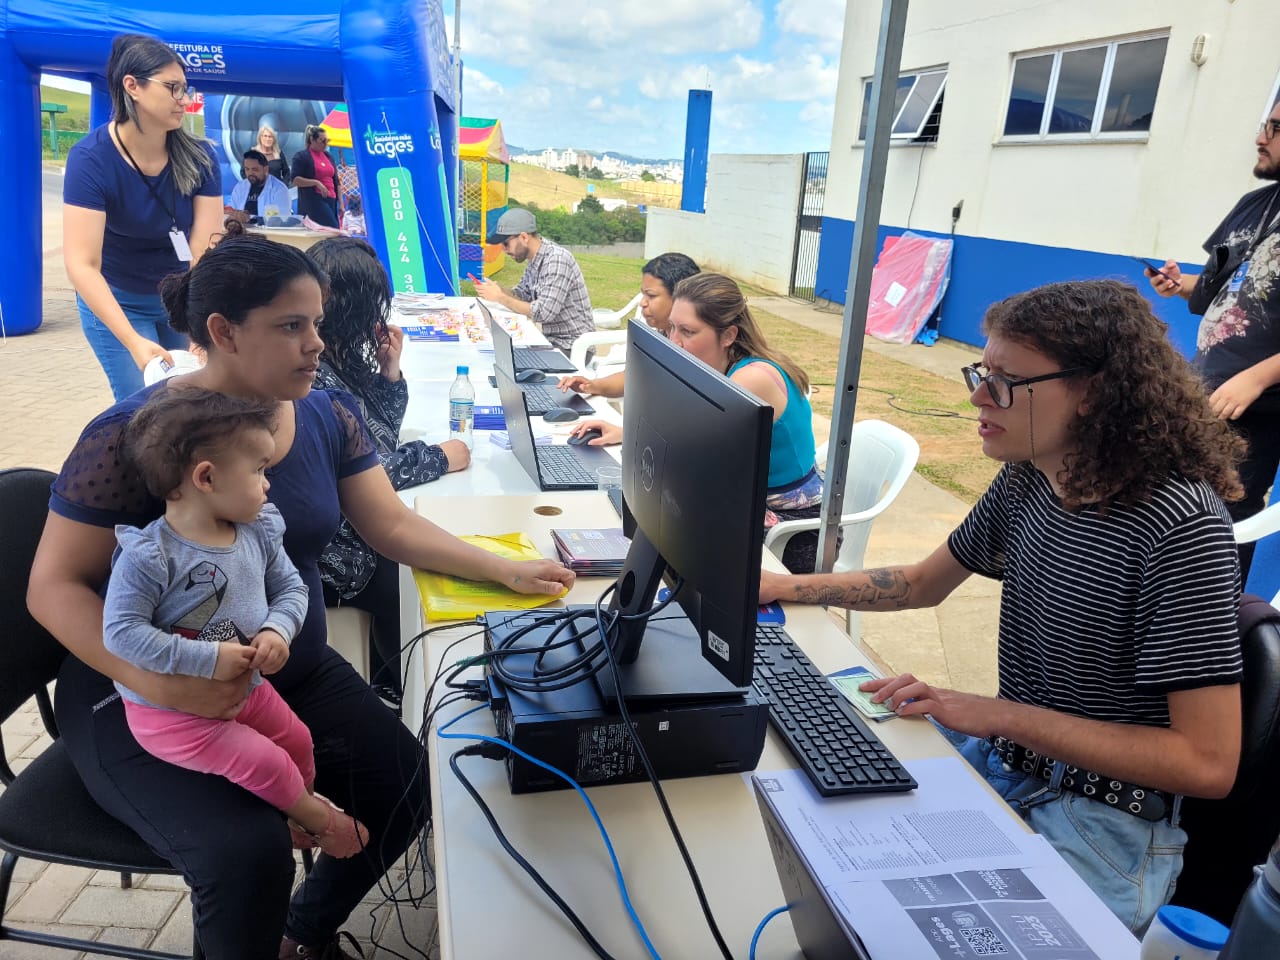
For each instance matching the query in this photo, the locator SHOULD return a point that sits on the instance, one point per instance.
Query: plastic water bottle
(1255, 932)
(1178, 933)
(462, 407)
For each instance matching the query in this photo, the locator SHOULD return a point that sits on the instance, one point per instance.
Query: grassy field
(550, 189)
(76, 119)
(935, 410)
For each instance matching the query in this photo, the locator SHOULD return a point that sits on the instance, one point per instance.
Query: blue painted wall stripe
(984, 271)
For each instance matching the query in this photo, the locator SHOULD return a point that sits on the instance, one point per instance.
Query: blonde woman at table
(362, 356)
(141, 200)
(711, 320)
(269, 146)
(256, 307)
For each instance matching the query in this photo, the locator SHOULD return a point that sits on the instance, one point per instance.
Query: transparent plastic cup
(608, 478)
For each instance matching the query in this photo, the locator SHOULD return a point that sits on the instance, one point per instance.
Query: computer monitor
(695, 466)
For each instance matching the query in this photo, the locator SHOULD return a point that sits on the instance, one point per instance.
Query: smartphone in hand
(1156, 268)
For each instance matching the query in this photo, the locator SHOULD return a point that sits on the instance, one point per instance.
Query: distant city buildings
(614, 168)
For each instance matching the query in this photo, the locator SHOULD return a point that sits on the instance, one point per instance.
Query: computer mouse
(586, 436)
(530, 376)
(560, 415)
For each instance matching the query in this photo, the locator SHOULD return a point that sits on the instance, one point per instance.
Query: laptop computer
(551, 467)
(821, 930)
(541, 396)
(547, 359)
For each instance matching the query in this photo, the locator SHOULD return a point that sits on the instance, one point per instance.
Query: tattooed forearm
(883, 589)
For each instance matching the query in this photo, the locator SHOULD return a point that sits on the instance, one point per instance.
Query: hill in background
(550, 189)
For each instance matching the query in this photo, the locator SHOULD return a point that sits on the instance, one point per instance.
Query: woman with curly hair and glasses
(1119, 661)
(362, 356)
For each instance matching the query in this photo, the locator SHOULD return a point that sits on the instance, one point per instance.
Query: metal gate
(804, 261)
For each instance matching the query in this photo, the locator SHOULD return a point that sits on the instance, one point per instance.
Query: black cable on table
(476, 751)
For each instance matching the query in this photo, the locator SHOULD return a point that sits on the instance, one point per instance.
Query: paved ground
(50, 386)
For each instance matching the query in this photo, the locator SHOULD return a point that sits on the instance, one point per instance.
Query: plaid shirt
(553, 285)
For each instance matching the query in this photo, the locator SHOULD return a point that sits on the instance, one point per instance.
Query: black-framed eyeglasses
(1001, 387)
(177, 89)
(1269, 129)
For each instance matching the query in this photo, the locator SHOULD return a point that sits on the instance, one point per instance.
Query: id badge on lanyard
(180, 246)
(1237, 278)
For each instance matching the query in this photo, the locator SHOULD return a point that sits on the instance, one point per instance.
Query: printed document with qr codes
(947, 871)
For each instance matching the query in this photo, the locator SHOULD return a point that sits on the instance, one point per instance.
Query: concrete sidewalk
(51, 386)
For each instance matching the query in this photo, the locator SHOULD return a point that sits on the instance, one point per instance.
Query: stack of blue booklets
(489, 418)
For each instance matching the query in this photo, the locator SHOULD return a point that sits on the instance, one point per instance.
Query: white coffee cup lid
(156, 369)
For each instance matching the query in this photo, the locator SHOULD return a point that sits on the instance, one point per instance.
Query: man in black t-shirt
(1238, 344)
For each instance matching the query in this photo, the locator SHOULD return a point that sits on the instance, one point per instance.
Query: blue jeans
(1130, 863)
(147, 315)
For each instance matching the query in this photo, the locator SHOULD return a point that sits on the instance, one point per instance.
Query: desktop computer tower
(577, 730)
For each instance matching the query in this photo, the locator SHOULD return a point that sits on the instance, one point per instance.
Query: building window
(1100, 91)
(917, 106)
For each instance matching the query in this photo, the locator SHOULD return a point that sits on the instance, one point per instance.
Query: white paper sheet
(946, 872)
(950, 823)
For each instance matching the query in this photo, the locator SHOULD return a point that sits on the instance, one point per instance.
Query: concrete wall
(749, 229)
(1053, 210)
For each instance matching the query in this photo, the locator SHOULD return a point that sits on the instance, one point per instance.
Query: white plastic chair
(606, 319)
(1262, 524)
(881, 458)
(598, 338)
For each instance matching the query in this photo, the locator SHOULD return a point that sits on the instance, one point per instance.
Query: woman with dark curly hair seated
(362, 356)
(1119, 660)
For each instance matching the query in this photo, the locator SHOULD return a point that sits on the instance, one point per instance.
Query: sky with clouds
(597, 76)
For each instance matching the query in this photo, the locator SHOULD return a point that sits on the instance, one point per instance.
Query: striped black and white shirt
(1102, 617)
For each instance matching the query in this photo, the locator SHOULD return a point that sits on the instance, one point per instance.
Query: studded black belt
(1153, 805)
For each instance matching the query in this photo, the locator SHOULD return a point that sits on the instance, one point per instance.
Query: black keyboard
(558, 463)
(552, 361)
(832, 744)
(542, 398)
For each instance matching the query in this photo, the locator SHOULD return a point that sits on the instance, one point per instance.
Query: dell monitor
(695, 465)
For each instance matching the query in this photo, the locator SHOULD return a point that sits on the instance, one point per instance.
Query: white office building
(1077, 134)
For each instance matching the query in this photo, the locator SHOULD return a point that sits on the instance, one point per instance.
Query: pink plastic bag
(907, 285)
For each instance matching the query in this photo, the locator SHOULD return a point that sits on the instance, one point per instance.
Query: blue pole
(697, 136)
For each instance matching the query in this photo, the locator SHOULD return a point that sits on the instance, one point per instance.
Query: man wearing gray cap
(552, 292)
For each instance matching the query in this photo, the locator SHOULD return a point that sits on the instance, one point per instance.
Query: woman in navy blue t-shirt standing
(141, 199)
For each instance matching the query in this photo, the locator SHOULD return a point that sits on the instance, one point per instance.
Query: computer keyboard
(552, 361)
(560, 464)
(832, 744)
(541, 398)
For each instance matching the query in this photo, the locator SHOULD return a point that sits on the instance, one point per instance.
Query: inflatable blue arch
(387, 59)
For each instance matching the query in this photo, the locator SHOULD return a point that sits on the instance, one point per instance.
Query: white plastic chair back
(1262, 524)
(606, 319)
(598, 338)
(881, 458)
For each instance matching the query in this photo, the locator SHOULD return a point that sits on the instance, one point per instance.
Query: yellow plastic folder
(452, 598)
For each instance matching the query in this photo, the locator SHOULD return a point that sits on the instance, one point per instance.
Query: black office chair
(1227, 837)
(45, 812)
